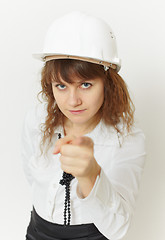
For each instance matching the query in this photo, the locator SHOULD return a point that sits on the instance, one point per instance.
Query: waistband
(41, 229)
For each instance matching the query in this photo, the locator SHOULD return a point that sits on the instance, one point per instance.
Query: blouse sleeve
(111, 202)
(28, 134)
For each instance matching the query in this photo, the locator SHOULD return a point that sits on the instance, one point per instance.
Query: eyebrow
(78, 82)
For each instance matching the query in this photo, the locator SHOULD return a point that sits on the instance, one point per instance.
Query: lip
(77, 112)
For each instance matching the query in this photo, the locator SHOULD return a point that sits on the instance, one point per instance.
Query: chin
(82, 121)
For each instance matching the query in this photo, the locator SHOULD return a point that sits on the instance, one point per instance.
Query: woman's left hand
(77, 157)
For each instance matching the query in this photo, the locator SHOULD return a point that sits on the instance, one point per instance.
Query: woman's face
(79, 101)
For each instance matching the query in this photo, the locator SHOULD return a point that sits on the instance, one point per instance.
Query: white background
(140, 32)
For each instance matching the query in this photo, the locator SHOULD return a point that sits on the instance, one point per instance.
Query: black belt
(40, 229)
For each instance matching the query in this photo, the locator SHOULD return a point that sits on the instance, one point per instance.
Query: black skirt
(40, 229)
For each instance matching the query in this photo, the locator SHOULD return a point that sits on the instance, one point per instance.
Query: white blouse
(111, 202)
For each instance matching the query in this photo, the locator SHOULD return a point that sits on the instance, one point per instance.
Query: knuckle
(63, 149)
(87, 154)
(61, 159)
(84, 154)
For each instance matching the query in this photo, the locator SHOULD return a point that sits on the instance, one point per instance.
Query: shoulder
(135, 135)
(108, 135)
(35, 115)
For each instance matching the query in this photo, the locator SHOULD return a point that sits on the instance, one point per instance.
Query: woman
(81, 152)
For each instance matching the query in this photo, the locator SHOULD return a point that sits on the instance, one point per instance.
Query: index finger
(83, 140)
(66, 140)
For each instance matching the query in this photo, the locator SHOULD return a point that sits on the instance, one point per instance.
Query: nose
(74, 98)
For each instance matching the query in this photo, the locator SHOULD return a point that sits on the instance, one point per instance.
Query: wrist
(91, 177)
(85, 184)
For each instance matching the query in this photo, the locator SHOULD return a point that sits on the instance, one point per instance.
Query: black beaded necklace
(66, 179)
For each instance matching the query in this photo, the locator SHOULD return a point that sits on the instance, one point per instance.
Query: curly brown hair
(117, 105)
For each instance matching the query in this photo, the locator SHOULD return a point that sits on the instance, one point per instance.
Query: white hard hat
(80, 36)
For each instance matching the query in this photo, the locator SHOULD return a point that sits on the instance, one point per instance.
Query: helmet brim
(52, 56)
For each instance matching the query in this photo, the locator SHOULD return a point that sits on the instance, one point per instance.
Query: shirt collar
(101, 134)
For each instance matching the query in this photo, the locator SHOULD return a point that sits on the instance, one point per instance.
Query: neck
(77, 130)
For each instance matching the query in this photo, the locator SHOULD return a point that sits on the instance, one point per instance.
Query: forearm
(86, 184)
(105, 207)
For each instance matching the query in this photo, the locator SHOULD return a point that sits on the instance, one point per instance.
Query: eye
(86, 85)
(60, 86)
